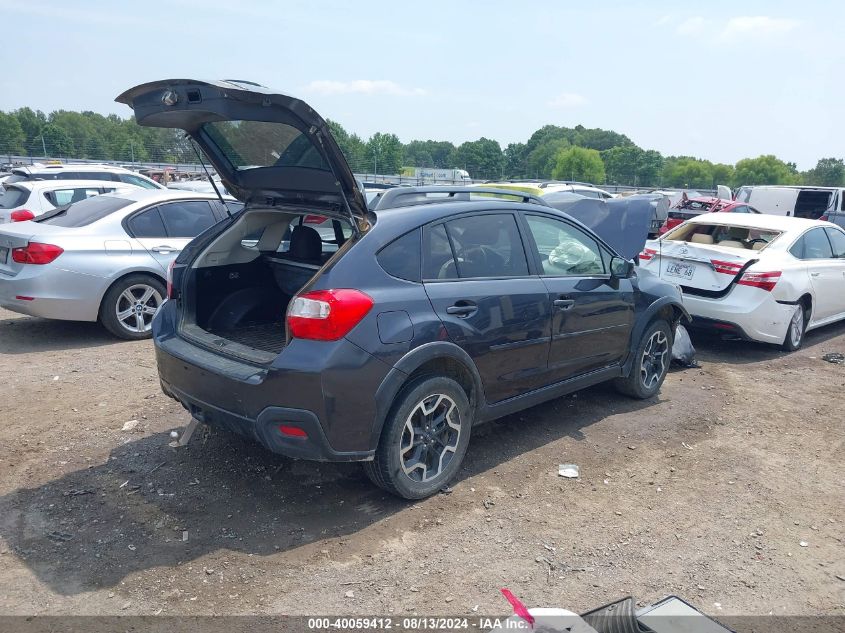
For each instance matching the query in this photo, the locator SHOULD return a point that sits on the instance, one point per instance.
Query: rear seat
(293, 269)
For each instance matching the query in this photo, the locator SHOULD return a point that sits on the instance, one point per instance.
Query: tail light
(313, 219)
(648, 254)
(726, 268)
(766, 281)
(21, 215)
(36, 253)
(327, 315)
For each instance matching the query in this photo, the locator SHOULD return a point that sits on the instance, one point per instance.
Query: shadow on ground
(91, 528)
(30, 334)
(711, 348)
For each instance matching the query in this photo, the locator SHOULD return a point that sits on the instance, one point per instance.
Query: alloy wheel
(430, 437)
(654, 360)
(136, 307)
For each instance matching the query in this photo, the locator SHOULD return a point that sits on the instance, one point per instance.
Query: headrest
(701, 238)
(305, 243)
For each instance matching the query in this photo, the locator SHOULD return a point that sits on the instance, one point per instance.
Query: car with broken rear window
(387, 334)
(758, 277)
(691, 207)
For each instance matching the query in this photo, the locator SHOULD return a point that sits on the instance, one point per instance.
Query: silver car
(102, 259)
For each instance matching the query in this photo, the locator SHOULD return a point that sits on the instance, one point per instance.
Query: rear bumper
(265, 429)
(54, 294)
(326, 389)
(750, 313)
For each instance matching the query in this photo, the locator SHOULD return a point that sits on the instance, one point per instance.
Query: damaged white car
(759, 277)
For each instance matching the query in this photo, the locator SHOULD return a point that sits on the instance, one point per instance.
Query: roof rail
(410, 196)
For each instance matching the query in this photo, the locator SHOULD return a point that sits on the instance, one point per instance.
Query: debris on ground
(570, 471)
(129, 426)
(837, 358)
(683, 352)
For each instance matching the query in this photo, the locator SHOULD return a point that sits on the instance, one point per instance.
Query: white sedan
(760, 277)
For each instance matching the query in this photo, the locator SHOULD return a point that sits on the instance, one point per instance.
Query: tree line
(552, 152)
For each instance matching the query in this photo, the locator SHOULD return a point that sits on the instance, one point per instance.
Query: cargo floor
(267, 337)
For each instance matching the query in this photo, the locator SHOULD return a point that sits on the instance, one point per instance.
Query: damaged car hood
(622, 223)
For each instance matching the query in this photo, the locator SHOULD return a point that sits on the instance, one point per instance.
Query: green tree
(482, 158)
(541, 161)
(31, 121)
(622, 164)
(765, 170)
(12, 137)
(515, 160)
(722, 174)
(427, 154)
(828, 172)
(579, 163)
(687, 172)
(57, 141)
(351, 145)
(383, 153)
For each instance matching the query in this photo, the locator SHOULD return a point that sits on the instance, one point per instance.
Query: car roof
(36, 169)
(161, 195)
(759, 221)
(34, 185)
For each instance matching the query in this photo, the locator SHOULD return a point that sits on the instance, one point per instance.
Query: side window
(135, 180)
(487, 246)
(187, 218)
(741, 209)
(401, 258)
(563, 249)
(438, 260)
(147, 224)
(61, 197)
(812, 245)
(837, 241)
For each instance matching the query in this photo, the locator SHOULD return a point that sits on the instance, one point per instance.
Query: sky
(718, 80)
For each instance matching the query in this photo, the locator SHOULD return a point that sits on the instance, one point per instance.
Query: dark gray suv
(385, 338)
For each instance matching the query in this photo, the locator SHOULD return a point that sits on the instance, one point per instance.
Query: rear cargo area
(237, 292)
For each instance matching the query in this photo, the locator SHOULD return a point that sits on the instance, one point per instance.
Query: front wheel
(795, 332)
(129, 306)
(651, 362)
(424, 439)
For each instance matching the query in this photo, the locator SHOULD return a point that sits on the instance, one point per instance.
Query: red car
(691, 207)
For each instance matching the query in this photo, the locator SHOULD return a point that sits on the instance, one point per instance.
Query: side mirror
(621, 268)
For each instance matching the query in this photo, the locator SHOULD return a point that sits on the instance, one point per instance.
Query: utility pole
(44, 146)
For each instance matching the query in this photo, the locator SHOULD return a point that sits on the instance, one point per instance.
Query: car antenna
(210, 179)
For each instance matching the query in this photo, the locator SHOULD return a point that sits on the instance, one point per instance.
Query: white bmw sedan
(104, 258)
(764, 278)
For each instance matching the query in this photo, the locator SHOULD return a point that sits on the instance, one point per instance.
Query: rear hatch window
(84, 212)
(13, 197)
(251, 144)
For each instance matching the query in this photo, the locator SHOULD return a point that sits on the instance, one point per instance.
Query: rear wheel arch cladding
(442, 359)
(807, 302)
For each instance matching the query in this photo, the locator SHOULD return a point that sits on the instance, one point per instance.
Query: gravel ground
(727, 490)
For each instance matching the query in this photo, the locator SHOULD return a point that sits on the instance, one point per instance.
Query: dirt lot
(708, 492)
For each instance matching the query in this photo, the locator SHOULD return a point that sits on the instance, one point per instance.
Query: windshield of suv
(251, 144)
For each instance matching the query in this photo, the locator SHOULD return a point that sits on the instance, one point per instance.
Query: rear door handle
(563, 304)
(462, 309)
(164, 249)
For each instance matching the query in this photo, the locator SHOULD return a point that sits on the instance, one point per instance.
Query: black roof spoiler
(409, 196)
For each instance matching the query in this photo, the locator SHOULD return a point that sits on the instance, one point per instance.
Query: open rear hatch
(274, 153)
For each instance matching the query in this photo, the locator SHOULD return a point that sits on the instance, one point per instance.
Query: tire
(148, 294)
(651, 362)
(407, 473)
(795, 331)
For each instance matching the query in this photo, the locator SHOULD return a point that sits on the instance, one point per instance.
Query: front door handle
(563, 304)
(462, 309)
(164, 249)
(814, 274)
